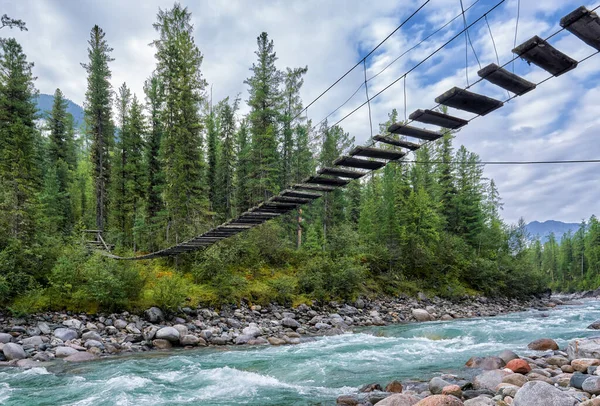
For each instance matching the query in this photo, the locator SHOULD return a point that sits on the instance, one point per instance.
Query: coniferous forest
(154, 169)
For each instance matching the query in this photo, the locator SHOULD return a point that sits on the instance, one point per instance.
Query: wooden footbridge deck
(582, 23)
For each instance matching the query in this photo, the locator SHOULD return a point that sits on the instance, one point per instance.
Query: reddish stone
(519, 366)
(453, 390)
(543, 344)
(394, 387)
(440, 400)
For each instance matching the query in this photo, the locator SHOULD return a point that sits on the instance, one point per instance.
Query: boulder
(584, 348)
(289, 322)
(595, 325)
(543, 344)
(33, 341)
(252, 330)
(154, 315)
(519, 366)
(44, 328)
(486, 363)
(120, 324)
(5, 338)
(168, 333)
(542, 394)
(65, 334)
(347, 400)
(506, 389)
(440, 400)
(82, 356)
(480, 401)
(181, 329)
(489, 379)
(189, 339)
(582, 364)
(161, 344)
(370, 387)
(258, 341)
(72, 323)
(437, 384)
(276, 341)
(557, 360)
(507, 356)
(592, 385)
(148, 333)
(515, 379)
(394, 387)
(453, 390)
(62, 352)
(13, 351)
(400, 399)
(421, 315)
(93, 343)
(91, 335)
(243, 339)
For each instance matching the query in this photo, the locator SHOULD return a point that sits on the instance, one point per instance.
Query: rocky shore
(551, 377)
(555, 377)
(57, 337)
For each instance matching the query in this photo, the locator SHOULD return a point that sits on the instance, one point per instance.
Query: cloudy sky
(558, 120)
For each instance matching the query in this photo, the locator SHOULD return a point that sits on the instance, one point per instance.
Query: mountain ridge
(545, 228)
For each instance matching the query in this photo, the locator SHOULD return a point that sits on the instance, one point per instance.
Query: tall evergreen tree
(227, 159)
(121, 157)
(178, 68)
(98, 118)
(19, 167)
(292, 105)
(154, 104)
(213, 143)
(61, 154)
(264, 102)
(244, 170)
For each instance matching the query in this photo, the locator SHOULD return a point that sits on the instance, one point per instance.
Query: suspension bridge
(362, 160)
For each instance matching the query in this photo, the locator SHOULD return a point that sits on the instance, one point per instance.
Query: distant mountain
(543, 230)
(45, 101)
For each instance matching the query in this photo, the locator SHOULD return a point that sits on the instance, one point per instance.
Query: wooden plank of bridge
(327, 181)
(584, 24)
(371, 152)
(308, 186)
(421, 133)
(285, 199)
(234, 227)
(468, 101)
(397, 143)
(541, 53)
(352, 162)
(437, 118)
(342, 173)
(304, 195)
(505, 79)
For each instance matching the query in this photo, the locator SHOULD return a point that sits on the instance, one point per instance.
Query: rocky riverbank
(50, 337)
(546, 376)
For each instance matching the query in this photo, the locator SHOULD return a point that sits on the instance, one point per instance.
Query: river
(312, 373)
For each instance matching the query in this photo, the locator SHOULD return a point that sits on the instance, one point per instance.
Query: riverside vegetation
(171, 163)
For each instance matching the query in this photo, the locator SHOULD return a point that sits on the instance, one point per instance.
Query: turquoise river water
(312, 373)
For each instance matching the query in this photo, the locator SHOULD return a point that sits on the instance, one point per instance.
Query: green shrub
(284, 288)
(33, 302)
(169, 291)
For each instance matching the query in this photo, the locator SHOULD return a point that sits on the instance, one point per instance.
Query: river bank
(45, 337)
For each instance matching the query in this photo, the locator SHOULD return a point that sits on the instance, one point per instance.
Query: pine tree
(178, 69)
(264, 102)
(292, 105)
(19, 164)
(154, 104)
(227, 159)
(213, 145)
(98, 118)
(134, 170)
(121, 157)
(244, 169)
(61, 154)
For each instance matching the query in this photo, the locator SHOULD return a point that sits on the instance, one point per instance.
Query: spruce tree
(178, 69)
(244, 169)
(264, 102)
(227, 159)
(98, 117)
(292, 105)
(121, 157)
(19, 163)
(61, 154)
(212, 154)
(154, 175)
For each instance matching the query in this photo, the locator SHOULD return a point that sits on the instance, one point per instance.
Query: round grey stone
(62, 352)
(13, 351)
(538, 393)
(168, 333)
(65, 334)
